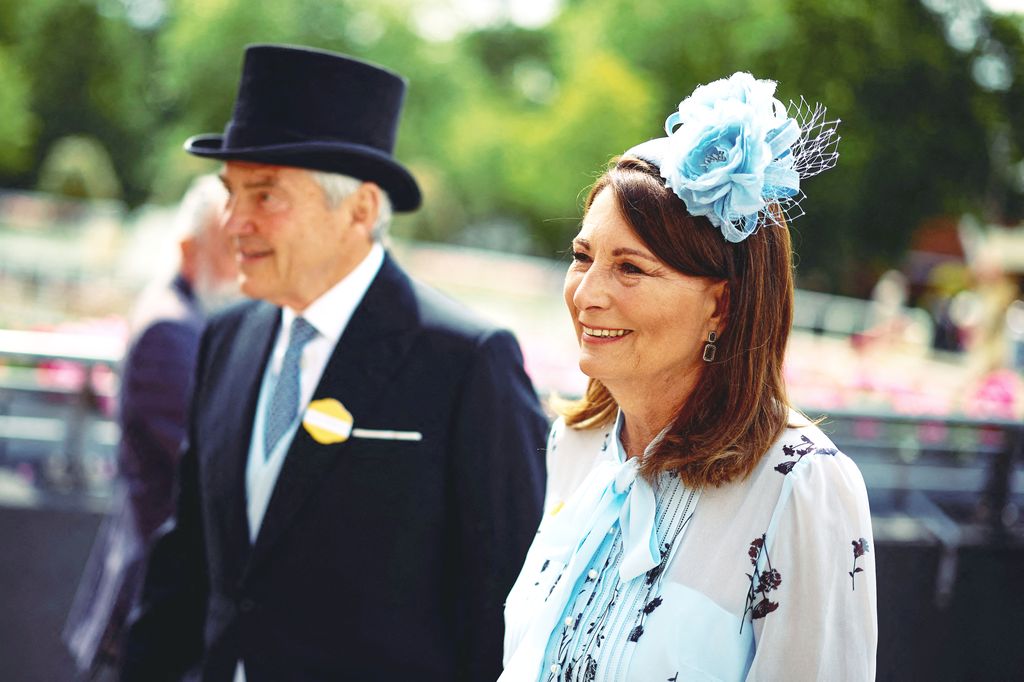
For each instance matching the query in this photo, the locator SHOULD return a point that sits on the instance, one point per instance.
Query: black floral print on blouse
(648, 609)
(860, 548)
(801, 450)
(761, 583)
(569, 666)
(596, 631)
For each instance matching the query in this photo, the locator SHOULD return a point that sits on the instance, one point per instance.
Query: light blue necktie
(284, 401)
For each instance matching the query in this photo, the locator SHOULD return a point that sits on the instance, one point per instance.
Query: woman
(696, 527)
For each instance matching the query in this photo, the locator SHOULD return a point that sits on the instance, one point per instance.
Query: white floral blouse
(769, 578)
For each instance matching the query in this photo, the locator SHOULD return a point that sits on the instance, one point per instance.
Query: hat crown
(318, 110)
(292, 94)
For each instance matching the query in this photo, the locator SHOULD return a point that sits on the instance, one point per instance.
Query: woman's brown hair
(738, 408)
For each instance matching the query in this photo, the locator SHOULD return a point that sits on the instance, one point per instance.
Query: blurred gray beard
(215, 296)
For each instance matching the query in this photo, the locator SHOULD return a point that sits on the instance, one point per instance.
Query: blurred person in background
(696, 526)
(994, 290)
(365, 468)
(944, 282)
(155, 393)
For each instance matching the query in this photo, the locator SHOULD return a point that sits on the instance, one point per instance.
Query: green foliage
(79, 167)
(510, 125)
(87, 75)
(18, 125)
(918, 130)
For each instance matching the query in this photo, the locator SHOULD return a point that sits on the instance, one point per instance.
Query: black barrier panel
(909, 621)
(43, 554)
(985, 628)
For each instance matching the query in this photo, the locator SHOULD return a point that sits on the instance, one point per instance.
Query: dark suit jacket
(155, 379)
(376, 560)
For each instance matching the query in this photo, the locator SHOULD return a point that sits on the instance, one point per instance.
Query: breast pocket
(380, 449)
(690, 637)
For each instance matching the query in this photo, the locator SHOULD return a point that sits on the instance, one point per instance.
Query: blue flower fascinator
(732, 149)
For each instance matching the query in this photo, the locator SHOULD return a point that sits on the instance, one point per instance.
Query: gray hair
(204, 198)
(338, 187)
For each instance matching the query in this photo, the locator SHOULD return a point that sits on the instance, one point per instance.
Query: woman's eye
(580, 257)
(631, 269)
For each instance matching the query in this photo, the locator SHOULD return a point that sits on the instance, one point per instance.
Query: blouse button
(593, 574)
(555, 668)
(568, 621)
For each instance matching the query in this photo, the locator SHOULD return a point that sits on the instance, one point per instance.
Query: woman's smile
(602, 335)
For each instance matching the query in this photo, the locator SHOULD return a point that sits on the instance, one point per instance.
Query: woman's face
(640, 324)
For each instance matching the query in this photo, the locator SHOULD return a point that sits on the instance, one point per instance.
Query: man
(365, 466)
(155, 380)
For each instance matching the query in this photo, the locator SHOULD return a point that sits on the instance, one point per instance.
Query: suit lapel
(241, 376)
(370, 350)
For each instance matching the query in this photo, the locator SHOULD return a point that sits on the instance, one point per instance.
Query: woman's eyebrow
(625, 251)
(621, 251)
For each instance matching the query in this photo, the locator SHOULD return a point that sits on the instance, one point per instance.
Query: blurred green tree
(87, 72)
(79, 167)
(18, 125)
(918, 126)
(508, 125)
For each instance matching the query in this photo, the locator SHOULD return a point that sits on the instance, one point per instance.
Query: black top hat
(319, 110)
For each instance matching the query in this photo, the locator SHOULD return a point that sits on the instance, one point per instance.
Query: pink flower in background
(995, 396)
(69, 376)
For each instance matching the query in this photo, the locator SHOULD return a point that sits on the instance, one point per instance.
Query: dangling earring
(710, 348)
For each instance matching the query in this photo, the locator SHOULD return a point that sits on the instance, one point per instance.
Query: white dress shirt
(329, 315)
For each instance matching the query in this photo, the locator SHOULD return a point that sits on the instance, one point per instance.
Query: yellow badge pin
(327, 421)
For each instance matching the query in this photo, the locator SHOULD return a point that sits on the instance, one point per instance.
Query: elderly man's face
(290, 246)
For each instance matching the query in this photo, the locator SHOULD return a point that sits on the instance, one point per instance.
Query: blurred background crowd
(909, 330)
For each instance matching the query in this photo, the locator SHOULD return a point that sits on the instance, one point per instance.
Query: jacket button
(246, 605)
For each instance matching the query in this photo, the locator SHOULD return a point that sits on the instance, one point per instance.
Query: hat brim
(358, 161)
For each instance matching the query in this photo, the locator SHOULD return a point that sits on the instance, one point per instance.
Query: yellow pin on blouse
(327, 421)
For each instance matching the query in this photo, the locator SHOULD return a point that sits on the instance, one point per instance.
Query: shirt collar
(330, 313)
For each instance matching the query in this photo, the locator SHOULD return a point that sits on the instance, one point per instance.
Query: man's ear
(364, 207)
(719, 292)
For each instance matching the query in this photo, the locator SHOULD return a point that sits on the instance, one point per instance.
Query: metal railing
(843, 316)
(953, 462)
(62, 416)
(952, 482)
(971, 467)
